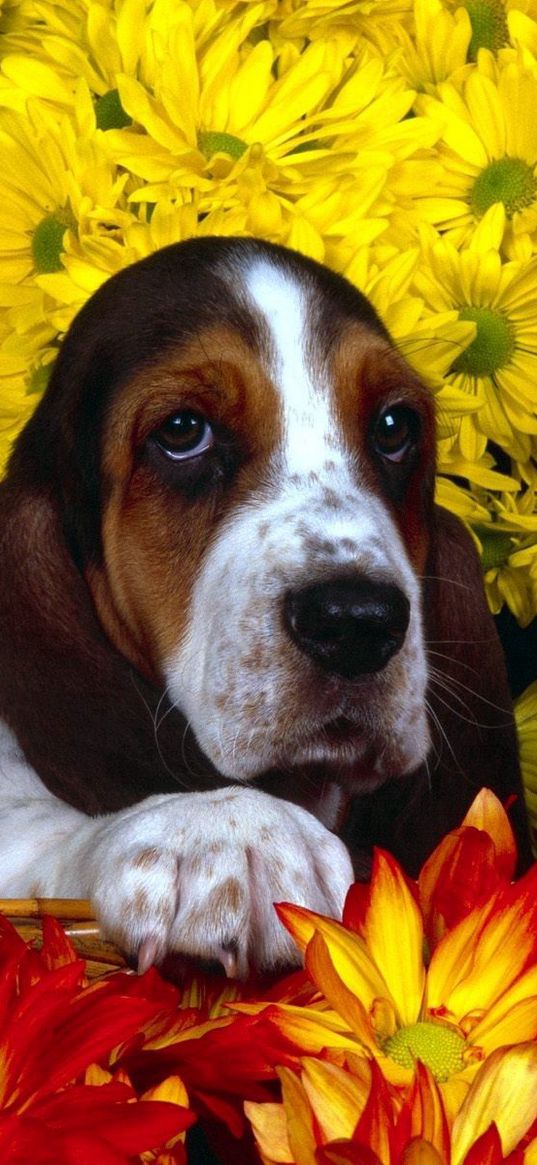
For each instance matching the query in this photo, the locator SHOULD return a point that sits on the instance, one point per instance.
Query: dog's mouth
(339, 739)
(340, 730)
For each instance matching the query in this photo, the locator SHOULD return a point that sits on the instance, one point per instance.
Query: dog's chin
(342, 753)
(337, 756)
(338, 750)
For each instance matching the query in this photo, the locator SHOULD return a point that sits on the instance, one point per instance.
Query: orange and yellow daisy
(335, 1116)
(387, 995)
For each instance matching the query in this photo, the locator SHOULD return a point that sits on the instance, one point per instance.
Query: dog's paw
(197, 874)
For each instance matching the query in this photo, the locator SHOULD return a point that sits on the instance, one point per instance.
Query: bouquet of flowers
(410, 1037)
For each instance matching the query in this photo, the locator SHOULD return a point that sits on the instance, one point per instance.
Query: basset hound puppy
(232, 620)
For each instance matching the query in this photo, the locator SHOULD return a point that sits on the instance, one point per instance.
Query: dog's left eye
(184, 434)
(396, 431)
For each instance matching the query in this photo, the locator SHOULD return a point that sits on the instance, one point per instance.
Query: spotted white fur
(236, 662)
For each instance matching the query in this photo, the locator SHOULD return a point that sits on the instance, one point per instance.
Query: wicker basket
(78, 921)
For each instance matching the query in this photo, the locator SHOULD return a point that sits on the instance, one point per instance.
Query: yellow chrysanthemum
(200, 121)
(314, 18)
(489, 25)
(239, 127)
(56, 186)
(435, 48)
(91, 260)
(48, 48)
(56, 189)
(508, 543)
(500, 363)
(488, 152)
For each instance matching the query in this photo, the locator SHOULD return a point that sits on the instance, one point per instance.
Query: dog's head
(244, 465)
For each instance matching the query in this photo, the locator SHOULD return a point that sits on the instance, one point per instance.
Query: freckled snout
(348, 626)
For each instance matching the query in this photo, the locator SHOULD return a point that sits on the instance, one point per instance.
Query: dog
(233, 622)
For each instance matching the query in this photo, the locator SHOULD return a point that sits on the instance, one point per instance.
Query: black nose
(350, 627)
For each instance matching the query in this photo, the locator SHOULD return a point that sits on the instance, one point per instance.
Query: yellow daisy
(489, 24)
(488, 151)
(510, 571)
(46, 51)
(238, 127)
(56, 187)
(314, 18)
(387, 276)
(200, 120)
(88, 261)
(435, 48)
(500, 363)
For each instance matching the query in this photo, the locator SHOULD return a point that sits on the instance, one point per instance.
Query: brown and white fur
(224, 591)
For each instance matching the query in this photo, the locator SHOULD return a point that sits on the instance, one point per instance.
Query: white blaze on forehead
(284, 304)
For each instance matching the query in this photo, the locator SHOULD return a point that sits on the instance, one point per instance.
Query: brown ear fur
(474, 739)
(84, 718)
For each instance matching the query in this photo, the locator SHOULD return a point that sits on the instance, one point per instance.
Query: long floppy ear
(83, 716)
(472, 728)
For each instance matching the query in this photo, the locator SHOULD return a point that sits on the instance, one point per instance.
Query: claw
(229, 956)
(147, 955)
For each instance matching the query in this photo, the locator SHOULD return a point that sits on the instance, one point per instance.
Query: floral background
(395, 140)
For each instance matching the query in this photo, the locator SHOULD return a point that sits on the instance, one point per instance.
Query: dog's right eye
(184, 435)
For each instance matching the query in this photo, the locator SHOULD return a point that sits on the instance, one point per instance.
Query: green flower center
(221, 143)
(439, 1047)
(489, 26)
(38, 379)
(47, 242)
(109, 112)
(497, 546)
(507, 180)
(491, 348)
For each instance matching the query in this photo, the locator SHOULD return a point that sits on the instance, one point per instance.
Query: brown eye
(396, 432)
(184, 435)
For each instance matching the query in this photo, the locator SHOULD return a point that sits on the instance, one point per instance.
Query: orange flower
(335, 1116)
(381, 1000)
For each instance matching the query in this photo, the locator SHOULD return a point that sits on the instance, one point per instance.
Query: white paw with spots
(198, 874)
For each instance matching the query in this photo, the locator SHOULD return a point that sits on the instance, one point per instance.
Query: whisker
(455, 582)
(449, 683)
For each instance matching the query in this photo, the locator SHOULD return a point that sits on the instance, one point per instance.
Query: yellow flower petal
(336, 1097)
(512, 1018)
(36, 78)
(269, 1124)
(392, 910)
(487, 813)
(486, 111)
(171, 1089)
(345, 1002)
(302, 1138)
(350, 956)
(481, 957)
(504, 1091)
